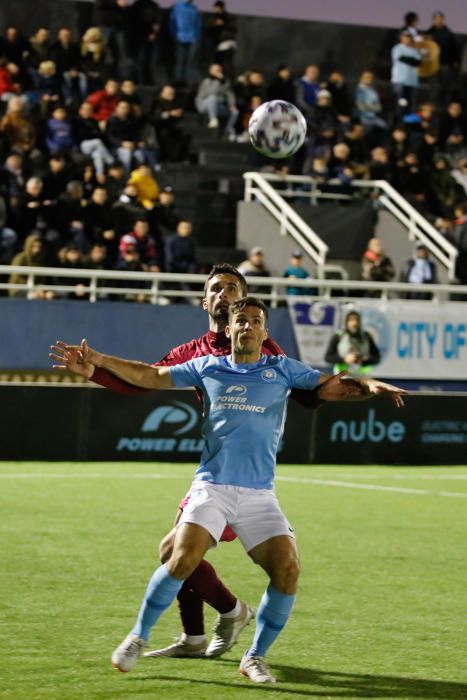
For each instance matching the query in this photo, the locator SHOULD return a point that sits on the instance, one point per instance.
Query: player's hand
(377, 388)
(88, 354)
(72, 358)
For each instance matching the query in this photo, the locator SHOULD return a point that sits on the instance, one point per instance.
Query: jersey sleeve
(178, 355)
(300, 376)
(187, 374)
(114, 383)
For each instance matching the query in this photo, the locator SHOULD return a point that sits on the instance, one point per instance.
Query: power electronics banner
(417, 340)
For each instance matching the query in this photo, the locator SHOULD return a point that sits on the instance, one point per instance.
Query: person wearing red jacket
(104, 101)
(224, 285)
(8, 86)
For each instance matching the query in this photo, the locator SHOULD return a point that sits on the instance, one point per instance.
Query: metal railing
(258, 188)
(161, 287)
(257, 185)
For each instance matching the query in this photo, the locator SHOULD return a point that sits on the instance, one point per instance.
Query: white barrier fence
(158, 288)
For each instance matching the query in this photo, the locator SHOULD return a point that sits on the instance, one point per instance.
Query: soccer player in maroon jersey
(224, 285)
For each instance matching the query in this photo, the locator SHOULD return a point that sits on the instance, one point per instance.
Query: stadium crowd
(80, 150)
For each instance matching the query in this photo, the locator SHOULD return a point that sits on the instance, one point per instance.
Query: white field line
(371, 487)
(291, 479)
(414, 476)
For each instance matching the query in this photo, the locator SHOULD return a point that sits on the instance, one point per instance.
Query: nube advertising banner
(417, 339)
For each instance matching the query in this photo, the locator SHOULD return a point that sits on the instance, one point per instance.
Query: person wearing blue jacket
(185, 29)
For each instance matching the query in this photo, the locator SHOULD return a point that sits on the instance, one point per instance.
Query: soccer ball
(277, 129)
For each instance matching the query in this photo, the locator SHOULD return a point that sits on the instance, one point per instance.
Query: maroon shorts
(227, 536)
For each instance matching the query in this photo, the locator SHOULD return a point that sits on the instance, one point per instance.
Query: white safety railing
(159, 288)
(302, 186)
(257, 188)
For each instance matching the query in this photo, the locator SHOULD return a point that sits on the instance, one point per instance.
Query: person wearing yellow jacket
(146, 185)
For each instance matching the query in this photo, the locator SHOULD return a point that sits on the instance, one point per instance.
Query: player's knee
(166, 548)
(286, 577)
(181, 564)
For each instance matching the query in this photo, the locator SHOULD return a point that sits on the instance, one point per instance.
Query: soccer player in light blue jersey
(245, 398)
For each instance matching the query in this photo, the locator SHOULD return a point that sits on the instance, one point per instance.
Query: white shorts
(253, 514)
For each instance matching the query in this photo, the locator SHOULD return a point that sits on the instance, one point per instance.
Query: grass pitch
(381, 610)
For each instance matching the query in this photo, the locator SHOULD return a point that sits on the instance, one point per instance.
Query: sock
(235, 612)
(206, 583)
(272, 615)
(161, 591)
(193, 638)
(190, 607)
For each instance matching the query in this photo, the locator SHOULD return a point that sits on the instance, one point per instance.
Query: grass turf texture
(380, 611)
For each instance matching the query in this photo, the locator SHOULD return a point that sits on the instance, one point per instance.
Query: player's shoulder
(270, 347)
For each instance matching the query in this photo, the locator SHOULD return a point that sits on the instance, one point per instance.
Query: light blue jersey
(245, 409)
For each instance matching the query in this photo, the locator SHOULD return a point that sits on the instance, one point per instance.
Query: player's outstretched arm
(81, 359)
(342, 388)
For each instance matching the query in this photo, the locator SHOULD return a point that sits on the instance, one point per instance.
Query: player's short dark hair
(242, 303)
(226, 269)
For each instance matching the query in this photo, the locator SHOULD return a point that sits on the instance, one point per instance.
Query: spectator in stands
(254, 266)
(398, 148)
(459, 173)
(126, 210)
(130, 262)
(446, 191)
(47, 86)
(427, 148)
(449, 56)
(180, 249)
(70, 215)
(39, 47)
(185, 29)
(459, 238)
(99, 223)
(453, 129)
(143, 33)
(65, 52)
(167, 117)
(368, 103)
(147, 189)
(323, 117)
(282, 86)
(149, 255)
(216, 99)
(379, 167)
(404, 75)
(376, 265)
(59, 132)
(250, 92)
(355, 140)
(15, 48)
(339, 160)
(124, 136)
(98, 260)
(340, 96)
(33, 211)
(164, 217)
(19, 130)
(419, 270)
(95, 58)
(8, 237)
(308, 87)
(72, 258)
(295, 270)
(221, 30)
(352, 349)
(56, 177)
(12, 176)
(104, 102)
(32, 255)
(413, 184)
(411, 22)
(8, 85)
(115, 181)
(91, 140)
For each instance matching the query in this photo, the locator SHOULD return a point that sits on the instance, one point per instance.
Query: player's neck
(245, 358)
(217, 326)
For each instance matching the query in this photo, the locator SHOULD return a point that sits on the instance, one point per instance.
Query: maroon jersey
(210, 343)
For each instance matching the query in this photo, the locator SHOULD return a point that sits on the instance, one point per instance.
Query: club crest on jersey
(268, 374)
(237, 389)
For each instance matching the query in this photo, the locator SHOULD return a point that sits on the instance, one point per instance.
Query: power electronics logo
(236, 399)
(167, 423)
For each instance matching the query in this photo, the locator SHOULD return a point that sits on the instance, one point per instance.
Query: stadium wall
(166, 426)
(140, 331)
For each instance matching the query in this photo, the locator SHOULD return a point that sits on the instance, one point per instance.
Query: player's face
(222, 291)
(247, 329)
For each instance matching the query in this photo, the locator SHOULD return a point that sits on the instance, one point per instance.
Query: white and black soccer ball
(277, 129)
